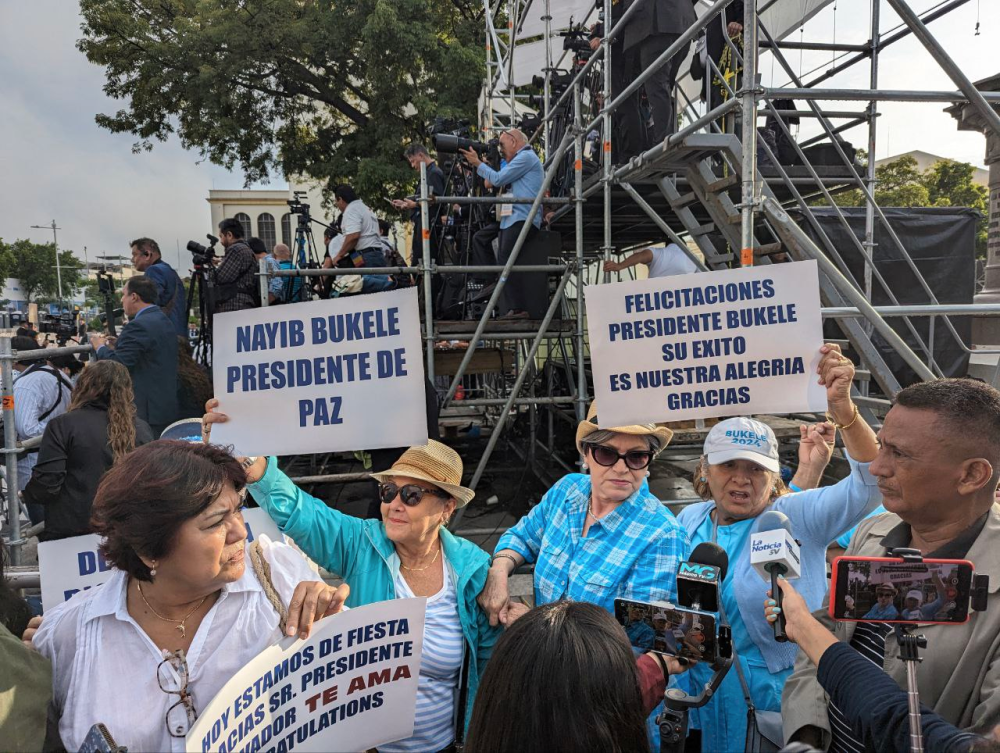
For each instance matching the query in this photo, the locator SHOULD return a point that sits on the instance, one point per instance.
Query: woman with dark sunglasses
(409, 552)
(597, 536)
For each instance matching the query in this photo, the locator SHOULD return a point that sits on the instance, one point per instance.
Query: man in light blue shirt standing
(521, 179)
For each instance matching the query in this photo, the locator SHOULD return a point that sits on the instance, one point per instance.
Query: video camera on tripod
(203, 256)
(106, 288)
(62, 325)
(577, 39)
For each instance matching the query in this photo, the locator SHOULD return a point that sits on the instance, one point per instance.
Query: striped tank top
(440, 665)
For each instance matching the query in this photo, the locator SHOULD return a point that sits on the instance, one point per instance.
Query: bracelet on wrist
(842, 427)
(510, 557)
(794, 488)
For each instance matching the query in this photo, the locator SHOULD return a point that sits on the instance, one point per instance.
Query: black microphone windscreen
(772, 520)
(707, 553)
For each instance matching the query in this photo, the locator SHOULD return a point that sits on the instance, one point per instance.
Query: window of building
(286, 229)
(244, 220)
(265, 230)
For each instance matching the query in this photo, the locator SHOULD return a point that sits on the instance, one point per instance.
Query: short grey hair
(603, 436)
(414, 150)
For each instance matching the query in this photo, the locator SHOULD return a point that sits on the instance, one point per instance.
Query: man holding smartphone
(938, 467)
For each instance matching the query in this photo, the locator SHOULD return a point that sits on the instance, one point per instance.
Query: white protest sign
(735, 342)
(352, 685)
(67, 566)
(321, 376)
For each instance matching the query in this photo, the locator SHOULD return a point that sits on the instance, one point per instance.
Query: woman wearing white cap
(409, 552)
(739, 477)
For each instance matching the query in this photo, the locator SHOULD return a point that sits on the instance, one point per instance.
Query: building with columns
(263, 214)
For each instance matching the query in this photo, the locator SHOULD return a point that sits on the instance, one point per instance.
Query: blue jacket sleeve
(159, 279)
(873, 702)
(128, 351)
(516, 168)
(822, 514)
(327, 536)
(525, 537)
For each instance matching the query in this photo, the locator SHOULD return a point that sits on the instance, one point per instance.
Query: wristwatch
(247, 464)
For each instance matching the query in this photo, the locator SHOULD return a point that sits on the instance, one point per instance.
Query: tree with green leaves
(328, 89)
(946, 183)
(33, 265)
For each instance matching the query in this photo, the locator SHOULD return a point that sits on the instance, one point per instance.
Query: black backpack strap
(63, 382)
(463, 698)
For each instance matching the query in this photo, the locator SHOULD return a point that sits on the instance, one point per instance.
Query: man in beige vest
(938, 467)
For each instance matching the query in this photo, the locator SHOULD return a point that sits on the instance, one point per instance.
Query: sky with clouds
(57, 164)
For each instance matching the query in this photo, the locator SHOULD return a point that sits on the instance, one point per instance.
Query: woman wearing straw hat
(409, 552)
(599, 536)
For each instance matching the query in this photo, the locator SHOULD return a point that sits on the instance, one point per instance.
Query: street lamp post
(55, 242)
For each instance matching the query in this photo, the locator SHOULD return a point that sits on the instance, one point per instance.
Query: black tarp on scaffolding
(941, 241)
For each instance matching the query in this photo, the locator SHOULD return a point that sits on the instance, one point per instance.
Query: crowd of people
(184, 581)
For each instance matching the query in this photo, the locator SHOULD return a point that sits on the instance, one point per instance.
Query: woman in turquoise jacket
(408, 553)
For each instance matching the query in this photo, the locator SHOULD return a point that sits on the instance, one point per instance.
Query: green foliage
(323, 88)
(34, 266)
(946, 183)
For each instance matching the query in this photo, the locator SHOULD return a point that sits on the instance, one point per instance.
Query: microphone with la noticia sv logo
(773, 552)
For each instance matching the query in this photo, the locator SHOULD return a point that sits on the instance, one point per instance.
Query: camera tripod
(202, 286)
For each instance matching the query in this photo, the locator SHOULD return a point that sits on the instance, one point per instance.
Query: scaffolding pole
(10, 442)
(509, 402)
(425, 238)
(748, 95)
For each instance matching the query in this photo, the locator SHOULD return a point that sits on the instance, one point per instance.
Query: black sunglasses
(411, 494)
(608, 456)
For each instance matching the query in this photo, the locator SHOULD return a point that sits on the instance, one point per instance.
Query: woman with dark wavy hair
(98, 430)
(562, 678)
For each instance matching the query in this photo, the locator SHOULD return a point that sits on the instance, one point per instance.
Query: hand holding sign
(256, 470)
(313, 600)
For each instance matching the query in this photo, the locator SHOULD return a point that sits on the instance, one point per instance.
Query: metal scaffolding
(701, 188)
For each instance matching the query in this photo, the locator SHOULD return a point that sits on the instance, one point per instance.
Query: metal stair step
(723, 183)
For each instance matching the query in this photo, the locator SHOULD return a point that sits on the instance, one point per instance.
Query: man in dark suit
(655, 26)
(147, 347)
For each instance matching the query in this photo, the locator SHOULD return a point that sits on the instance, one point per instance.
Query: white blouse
(104, 665)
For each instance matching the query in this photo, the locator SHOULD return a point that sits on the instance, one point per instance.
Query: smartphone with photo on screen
(667, 629)
(886, 589)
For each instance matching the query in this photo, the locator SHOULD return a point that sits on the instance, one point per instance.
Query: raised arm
(836, 373)
(645, 256)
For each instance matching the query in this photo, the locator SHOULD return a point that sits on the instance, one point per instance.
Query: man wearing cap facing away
(408, 553)
(739, 479)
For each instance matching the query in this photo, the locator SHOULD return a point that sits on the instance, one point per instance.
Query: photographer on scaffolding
(417, 154)
(235, 275)
(523, 176)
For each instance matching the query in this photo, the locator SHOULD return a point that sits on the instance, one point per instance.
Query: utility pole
(55, 242)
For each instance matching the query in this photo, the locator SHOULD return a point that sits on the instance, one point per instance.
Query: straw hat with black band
(434, 463)
(589, 426)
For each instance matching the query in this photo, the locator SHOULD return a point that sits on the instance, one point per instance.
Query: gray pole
(55, 242)
(748, 109)
(920, 31)
(425, 237)
(548, 74)
(10, 442)
(578, 340)
(872, 143)
(606, 145)
(263, 280)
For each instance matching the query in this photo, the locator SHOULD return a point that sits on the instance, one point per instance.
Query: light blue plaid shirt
(631, 553)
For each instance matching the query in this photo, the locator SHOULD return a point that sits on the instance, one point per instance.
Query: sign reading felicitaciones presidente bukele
(728, 343)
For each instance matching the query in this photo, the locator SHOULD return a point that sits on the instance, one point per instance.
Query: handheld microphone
(698, 579)
(773, 552)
